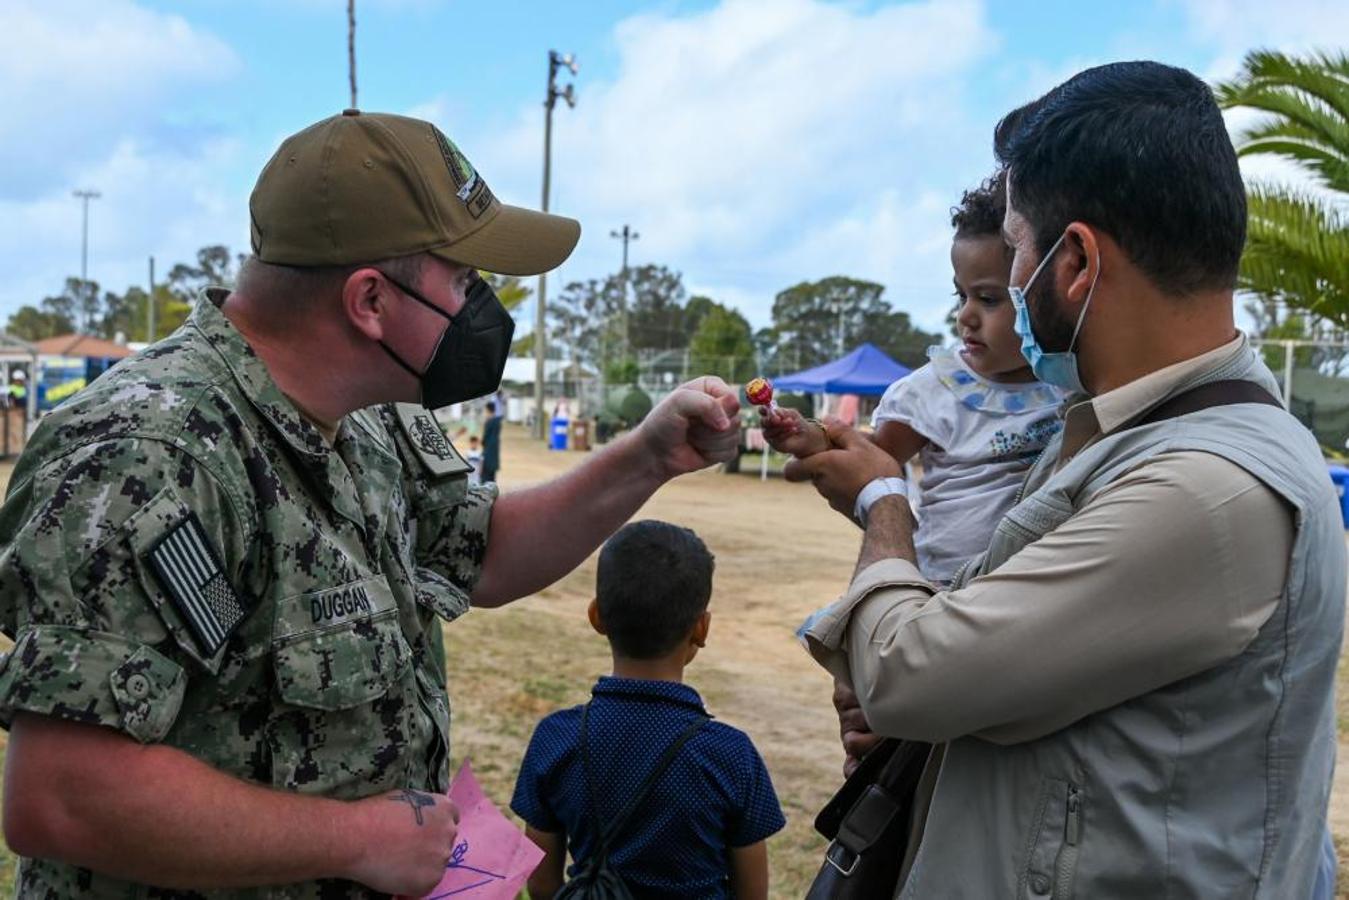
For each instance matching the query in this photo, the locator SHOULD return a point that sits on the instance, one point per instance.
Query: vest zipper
(1066, 862)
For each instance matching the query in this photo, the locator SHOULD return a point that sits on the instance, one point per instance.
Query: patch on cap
(471, 189)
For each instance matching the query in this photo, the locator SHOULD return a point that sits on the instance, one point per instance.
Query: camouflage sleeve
(98, 639)
(450, 518)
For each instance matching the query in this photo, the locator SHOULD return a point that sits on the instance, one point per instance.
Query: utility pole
(85, 195)
(555, 61)
(351, 48)
(150, 307)
(626, 235)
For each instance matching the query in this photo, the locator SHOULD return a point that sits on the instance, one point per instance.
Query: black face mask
(471, 356)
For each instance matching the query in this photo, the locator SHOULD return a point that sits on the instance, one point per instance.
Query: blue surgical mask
(1060, 368)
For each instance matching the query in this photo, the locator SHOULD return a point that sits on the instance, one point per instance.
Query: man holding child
(1130, 693)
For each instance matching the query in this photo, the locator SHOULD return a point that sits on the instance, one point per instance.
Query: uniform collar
(253, 378)
(642, 689)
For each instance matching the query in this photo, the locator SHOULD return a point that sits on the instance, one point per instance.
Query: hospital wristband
(875, 490)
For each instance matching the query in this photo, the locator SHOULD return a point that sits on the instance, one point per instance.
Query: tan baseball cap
(361, 187)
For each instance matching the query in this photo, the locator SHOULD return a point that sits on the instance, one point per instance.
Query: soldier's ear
(365, 301)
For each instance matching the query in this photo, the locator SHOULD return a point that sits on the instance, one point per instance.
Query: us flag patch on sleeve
(190, 571)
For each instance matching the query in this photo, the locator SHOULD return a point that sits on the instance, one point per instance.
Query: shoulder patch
(434, 450)
(190, 572)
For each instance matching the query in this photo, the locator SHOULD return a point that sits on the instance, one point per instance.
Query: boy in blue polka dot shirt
(700, 832)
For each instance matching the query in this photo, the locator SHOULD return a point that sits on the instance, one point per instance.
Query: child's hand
(788, 432)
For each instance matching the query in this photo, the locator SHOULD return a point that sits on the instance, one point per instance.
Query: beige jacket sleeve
(1169, 571)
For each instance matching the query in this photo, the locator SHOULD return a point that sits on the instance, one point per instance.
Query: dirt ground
(780, 554)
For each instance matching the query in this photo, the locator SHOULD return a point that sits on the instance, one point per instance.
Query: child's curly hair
(981, 210)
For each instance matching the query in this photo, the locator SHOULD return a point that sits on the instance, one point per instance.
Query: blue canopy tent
(866, 371)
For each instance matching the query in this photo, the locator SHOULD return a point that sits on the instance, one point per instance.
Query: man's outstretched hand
(693, 427)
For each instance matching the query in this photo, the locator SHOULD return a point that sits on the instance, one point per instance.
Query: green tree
(815, 319)
(583, 321)
(723, 345)
(216, 265)
(510, 290)
(656, 308)
(32, 324)
(695, 311)
(1297, 246)
(128, 315)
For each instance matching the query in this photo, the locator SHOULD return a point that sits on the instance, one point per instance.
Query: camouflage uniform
(336, 562)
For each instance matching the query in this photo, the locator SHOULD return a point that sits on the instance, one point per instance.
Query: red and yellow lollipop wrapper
(760, 392)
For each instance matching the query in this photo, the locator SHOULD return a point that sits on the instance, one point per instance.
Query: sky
(753, 144)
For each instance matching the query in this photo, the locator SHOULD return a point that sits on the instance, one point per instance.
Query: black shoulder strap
(605, 836)
(1215, 393)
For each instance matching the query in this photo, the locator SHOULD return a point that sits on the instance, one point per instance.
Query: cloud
(759, 144)
(151, 203)
(89, 86)
(80, 75)
(1234, 27)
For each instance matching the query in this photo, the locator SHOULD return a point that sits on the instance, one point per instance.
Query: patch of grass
(7, 860)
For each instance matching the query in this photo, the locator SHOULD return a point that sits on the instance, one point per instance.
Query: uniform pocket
(1052, 843)
(347, 719)
(339, 648)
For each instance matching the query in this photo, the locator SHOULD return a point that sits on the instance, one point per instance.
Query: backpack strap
(605, 836)
(1215, 393)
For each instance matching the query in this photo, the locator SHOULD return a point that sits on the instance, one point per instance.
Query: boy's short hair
(654, 581)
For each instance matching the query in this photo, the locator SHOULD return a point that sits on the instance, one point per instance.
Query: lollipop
(760, 393)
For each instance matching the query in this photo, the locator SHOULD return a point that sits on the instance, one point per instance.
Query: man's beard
(1053, 327)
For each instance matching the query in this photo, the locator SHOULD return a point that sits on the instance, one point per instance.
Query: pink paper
(492, 858)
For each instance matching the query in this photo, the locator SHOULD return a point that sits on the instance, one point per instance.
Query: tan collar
(1100, 415)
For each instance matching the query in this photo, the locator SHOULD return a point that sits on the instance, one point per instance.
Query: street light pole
(626, 235)
(150, 307)
(85, 195)
(555, 61)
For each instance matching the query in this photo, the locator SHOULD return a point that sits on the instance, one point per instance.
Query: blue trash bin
(558, 438)
(1339, 475)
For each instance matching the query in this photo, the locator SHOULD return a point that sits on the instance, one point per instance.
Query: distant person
(17, 393)
(474, 458)
(975, 415)
(700, 830)
(491, 444)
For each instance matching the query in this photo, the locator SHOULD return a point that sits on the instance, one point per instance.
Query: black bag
(867, 823)
(597, 879)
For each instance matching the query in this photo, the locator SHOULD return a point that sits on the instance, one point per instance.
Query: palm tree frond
(1297, 252)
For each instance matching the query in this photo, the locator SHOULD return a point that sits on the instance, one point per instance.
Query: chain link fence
(1314, 375)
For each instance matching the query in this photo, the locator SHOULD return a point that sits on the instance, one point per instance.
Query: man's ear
(1081, 262)
(364, 300)
(593, 612)
(700, 629)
